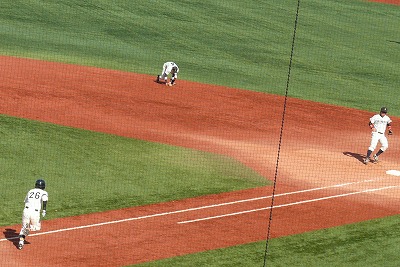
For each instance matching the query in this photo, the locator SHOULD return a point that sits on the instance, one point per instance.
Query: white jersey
(167, 68)
(380, 123)
(34, 199)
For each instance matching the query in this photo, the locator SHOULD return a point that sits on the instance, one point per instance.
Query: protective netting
(254, 155)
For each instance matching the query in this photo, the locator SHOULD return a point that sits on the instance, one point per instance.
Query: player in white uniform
(35, 201)
(168, 67)
(378, 123)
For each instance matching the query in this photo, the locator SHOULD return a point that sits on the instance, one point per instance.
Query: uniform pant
(378, 137)
(30, 221)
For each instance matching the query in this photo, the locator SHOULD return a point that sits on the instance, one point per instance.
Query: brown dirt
(392, 2)
(322, 146)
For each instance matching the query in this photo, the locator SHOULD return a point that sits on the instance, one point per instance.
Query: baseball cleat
(376, 158)
(366, 160)
(20, 245)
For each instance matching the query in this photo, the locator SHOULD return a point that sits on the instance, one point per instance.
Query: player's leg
(35, 222)
(24, 229)
(163, 78)
(173, 78)
(384, 142)
(374, 142)
(164, 74)
(167, 71)
(22, 235)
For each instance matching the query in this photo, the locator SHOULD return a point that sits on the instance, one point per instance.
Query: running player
(35, 201)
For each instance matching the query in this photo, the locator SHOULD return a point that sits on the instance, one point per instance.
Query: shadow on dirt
(359, 157)
(12, 236)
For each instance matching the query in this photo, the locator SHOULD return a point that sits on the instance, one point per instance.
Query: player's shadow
(359, 157)
(159, 82)
(12, 236)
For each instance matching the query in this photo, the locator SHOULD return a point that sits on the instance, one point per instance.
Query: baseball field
(147, 175)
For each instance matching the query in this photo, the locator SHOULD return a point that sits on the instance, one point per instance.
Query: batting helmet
(384, 110)
(40, 184)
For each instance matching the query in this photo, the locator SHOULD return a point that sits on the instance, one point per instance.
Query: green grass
(371, 243)
(89, 172)
(346, 52)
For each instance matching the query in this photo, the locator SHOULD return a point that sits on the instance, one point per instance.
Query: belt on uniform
(26, 207)
(380, 133)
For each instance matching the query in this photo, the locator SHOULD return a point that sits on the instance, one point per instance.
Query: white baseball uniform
(169, 67)
(31, 215)
(380, 123)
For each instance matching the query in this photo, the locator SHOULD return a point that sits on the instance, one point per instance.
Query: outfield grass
(346, 52)
(89, 172)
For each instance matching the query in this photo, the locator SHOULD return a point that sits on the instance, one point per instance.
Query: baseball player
(168, 68)
(35, 201)
(378, 124)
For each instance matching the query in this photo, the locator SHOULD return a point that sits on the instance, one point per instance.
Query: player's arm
(44, 206)
(372, 126)
(389, 126)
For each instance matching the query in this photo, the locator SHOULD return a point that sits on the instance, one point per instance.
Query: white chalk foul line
(393, 172)
(187, 210)
(286, 205)
(99, 224)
